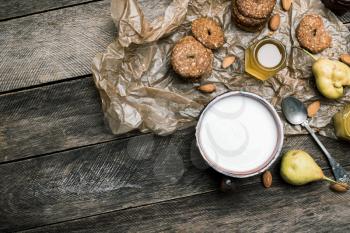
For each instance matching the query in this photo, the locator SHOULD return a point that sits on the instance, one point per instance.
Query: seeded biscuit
(191, 59)
(243, 20)
(208, 32)
(247, 28)
(312, 34)
(257, 9)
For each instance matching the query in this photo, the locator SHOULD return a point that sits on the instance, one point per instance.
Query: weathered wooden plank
(59, 117)
(54, 45)
(18, 8)
(51, 118)
(113, 176)
(282, 208)
(345, 18)
(97, 179)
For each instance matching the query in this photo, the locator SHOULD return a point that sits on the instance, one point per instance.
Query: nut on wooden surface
(267, 179)
(339, 187)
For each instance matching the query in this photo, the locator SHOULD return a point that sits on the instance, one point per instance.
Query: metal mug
(271, 159)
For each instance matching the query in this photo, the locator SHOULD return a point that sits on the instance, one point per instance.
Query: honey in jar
(342, 123)
(265, 58)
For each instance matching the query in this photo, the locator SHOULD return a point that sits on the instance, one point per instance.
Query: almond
(313, 108)
(345, 58)
(286, 4)
(267, 179)
(345, 185)
(338, 187)
(207, 88)
(274, 23)
(229, 60)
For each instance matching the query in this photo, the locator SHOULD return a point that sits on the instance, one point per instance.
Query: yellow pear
(331, 76)
(299, 168)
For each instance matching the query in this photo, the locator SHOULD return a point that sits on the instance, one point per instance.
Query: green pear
(299, 168)
(331, 76)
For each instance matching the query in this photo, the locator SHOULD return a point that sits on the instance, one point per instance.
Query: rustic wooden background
(62, 170)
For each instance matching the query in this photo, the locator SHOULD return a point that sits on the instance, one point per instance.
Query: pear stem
(329, 180)
(307, 52)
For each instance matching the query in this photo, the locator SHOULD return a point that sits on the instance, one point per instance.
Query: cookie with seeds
(256, 9)
(247, 28)
(208, 32)
(243, 20)
(312, 35)
(191, 59)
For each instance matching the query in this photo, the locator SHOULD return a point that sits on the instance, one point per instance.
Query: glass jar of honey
(265, 58)
(342, 123)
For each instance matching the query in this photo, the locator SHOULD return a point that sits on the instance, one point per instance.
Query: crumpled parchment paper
(139, 89)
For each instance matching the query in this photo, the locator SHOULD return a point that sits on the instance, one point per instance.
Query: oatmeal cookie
(257, 9)
(312, 34)
(208, 32)
(243, 20)
(248, 28)
(191, 59)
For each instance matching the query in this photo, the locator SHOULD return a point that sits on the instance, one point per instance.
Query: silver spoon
(296, 114)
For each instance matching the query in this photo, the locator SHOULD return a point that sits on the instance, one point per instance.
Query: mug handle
(227, 184)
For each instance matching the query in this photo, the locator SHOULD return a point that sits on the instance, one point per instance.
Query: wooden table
(62, 170)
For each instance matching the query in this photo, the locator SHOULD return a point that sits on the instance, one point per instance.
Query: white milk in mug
(239, 134)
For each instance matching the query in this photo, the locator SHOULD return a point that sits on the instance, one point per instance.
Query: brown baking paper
(139, 89)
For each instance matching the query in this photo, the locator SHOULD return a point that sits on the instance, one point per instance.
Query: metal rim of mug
(272, 158)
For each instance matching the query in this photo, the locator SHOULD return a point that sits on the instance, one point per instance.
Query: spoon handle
(338, 171)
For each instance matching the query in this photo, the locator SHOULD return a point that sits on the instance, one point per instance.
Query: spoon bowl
(294, 110)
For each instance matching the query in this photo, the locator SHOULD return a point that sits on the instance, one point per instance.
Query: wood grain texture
(114, 176)
(250, 208)
(63, 116)
(17, 8)
(345, 18)
(120, 175)
(54, 45)
(51, 118)
(97, 179)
